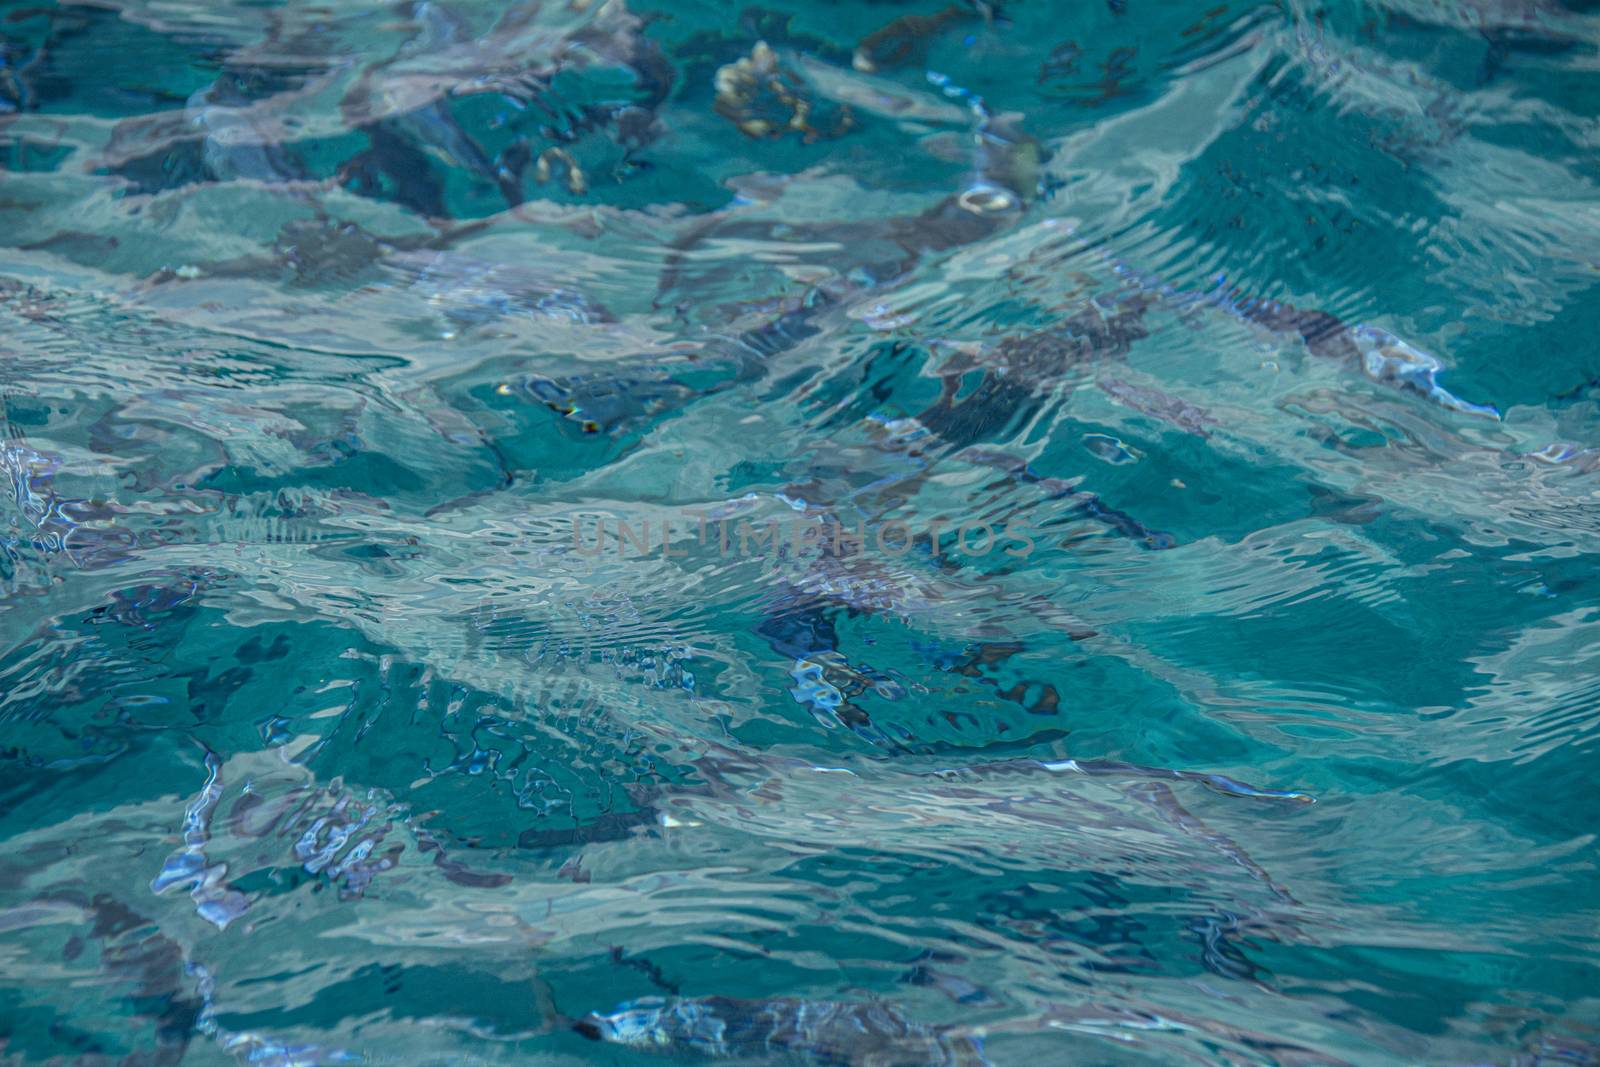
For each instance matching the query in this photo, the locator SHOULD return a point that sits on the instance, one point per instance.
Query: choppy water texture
(1261, 334)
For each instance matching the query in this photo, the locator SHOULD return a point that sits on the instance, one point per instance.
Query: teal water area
(875, 533)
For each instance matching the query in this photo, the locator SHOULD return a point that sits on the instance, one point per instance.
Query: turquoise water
(862, 533)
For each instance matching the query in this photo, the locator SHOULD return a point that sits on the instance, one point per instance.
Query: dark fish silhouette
(906, 39)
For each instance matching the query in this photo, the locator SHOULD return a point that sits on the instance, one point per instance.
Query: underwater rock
(764, 100)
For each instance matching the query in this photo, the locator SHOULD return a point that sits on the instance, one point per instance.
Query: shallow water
(1179, 642)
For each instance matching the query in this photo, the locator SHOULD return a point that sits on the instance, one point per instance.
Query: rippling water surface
(863, 533)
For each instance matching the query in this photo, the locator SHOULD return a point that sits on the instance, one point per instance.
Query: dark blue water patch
(56, 59)
(1534, 362)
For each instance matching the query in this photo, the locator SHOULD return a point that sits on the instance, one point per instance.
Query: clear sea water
(346, 347)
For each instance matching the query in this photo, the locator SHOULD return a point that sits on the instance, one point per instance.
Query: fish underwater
(836, 1034)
